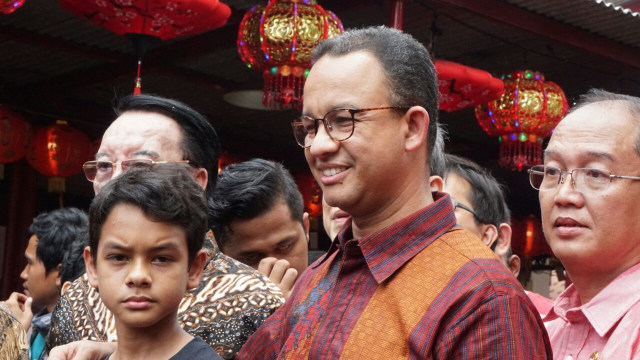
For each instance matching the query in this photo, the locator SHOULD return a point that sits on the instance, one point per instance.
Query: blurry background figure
(51, 235)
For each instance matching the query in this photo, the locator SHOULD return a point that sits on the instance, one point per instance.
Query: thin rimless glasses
(339, 124)
(545, 177)
(102, 171)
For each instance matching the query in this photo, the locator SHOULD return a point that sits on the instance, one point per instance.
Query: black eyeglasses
(102, 171)
(339, 124)
(545, 177)
(457, 204)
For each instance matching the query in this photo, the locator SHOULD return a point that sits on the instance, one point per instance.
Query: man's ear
(306, 225)
(418, 124)
(196, 269)
(436, 183)
(489, 234)
(202, 177)
(90, 265)
(514, 265)
(504, 240)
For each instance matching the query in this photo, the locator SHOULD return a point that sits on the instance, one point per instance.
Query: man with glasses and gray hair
(232, 299)
(589, 192)
(400, 281)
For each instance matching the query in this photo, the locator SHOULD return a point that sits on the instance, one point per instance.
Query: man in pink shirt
(591, 218)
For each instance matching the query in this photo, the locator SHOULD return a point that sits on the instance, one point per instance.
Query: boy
(145, 250)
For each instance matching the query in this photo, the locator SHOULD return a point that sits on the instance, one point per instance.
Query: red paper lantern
(527, 237)
(528, 111)
(278, 39)
(311, 194)
(146, 21)
(59, 151)
(9, 6)
(14, 136)
(463, 86)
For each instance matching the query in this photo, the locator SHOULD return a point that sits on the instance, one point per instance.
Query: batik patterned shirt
(230, 303)
(418, 289)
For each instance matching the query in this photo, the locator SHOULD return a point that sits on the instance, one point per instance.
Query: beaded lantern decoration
(278, 39)
(525, 114)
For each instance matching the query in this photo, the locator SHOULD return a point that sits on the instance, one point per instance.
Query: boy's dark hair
(487, 196)
(56, 230)
(405, 61)
(165, 193)
(200, 143)
(73, 262)
(249, 189)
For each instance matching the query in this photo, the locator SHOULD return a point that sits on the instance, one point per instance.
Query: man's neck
(159, 341)
(410, 200)
(589, 283)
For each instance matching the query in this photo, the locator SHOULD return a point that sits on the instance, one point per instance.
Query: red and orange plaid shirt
(418, 289)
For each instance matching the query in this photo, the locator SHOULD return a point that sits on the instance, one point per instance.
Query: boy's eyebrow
(115, 246)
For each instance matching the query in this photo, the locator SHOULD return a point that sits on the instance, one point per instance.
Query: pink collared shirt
(607, 327)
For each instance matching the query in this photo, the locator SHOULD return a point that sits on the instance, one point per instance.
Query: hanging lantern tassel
(520, 153)
(56, 185)
(1, 171)
(138, 88)
(141, 43)
(283, 87)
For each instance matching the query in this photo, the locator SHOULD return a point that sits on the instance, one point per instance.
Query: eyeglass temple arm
(625, 177)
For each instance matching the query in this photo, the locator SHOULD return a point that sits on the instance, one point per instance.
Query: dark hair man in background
(50, 237)
(258, 218)
(150, 130)
(400, 281)
(589, 189)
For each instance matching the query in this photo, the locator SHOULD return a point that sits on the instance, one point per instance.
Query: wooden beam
(551, 30)
(57, 44)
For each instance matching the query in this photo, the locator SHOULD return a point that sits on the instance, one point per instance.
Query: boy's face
(142, 267)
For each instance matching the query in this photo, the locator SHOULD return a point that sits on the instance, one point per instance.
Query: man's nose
(323, 143)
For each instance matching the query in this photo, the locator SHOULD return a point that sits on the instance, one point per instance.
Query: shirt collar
(388, 249)
(600, 311)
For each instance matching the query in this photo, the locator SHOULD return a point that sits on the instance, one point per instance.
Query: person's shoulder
(228, 277)
(196, 349)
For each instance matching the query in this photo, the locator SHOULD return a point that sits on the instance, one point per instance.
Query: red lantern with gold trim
(14, 136)
(278, 39)
(58, 151)
(528, 111)
(527, 237)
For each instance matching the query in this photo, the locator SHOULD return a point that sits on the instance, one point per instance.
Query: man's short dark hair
(200, 143)
(56, 230)
(406, 62)
(487, 196)
(165, 193)
(631, 103)
(250, 189)
(72, 266)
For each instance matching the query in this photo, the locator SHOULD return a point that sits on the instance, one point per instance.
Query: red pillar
(22, 210)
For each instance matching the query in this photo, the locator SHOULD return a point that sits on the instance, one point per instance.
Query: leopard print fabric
(230, 303)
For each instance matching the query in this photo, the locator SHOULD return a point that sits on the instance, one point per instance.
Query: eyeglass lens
(337, 123)
(548, 177)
